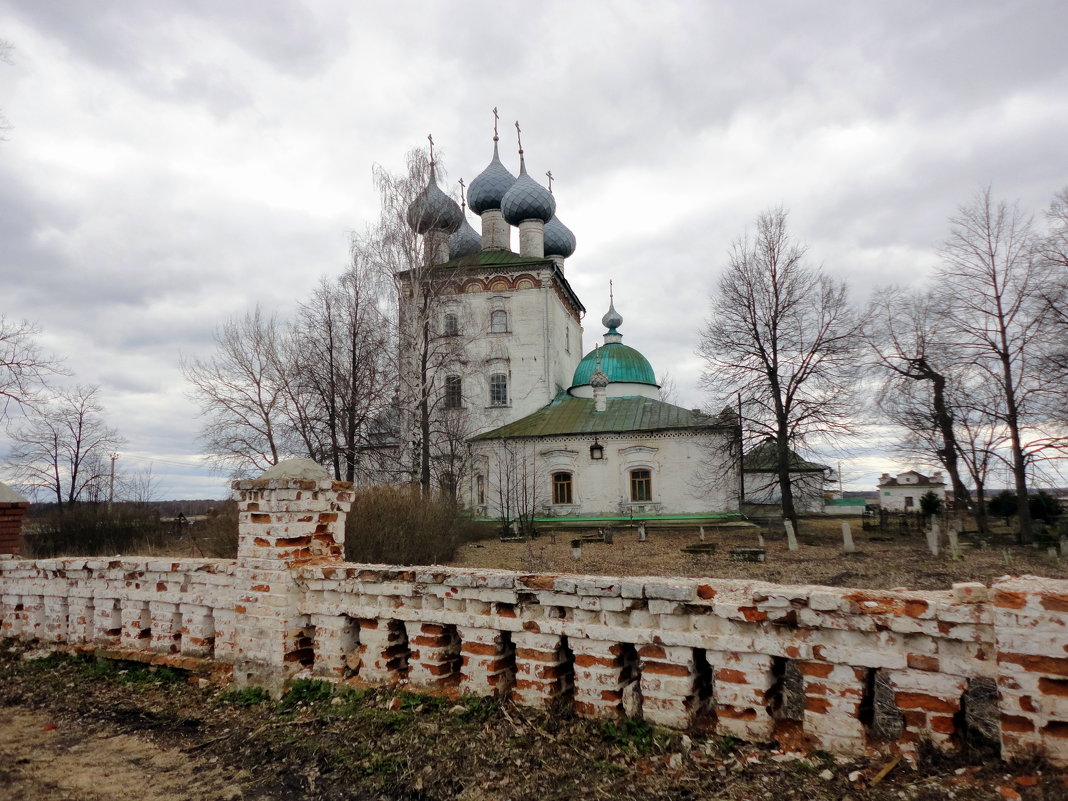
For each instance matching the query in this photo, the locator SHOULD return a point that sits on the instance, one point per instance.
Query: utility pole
(111, 481)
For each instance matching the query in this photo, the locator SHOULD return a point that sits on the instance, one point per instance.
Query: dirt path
(43, 761)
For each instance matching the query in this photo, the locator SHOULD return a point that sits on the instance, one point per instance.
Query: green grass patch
(306, 692)
(629, 733)
(249, 696)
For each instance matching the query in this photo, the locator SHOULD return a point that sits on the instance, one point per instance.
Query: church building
(551, 432)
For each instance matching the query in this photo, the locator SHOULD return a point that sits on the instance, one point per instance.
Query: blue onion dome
(559, 240)
(489, 188)
(527, 199)
(433, 210)
(465, 242)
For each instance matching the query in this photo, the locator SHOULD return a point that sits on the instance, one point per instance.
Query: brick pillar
(542, 669)
(742, 682)
(833, 695)
(56, 626)
(383, 650)
(198, 630)
(12, 510)
(136, 626)
(80, 619)
(435, 655)
(929, 703)
(1030, 617)
(337, 638)
(166, 627)
(290, 517)
(487, 661)
(668, 685)
(602, 676)
(107, 621)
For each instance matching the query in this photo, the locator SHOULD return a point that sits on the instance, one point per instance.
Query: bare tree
(902, 331)
(61, 451)
(1055, 251)
(991, 284)
(24, 366)
(242, 395)
(519, 484)
(784, 339)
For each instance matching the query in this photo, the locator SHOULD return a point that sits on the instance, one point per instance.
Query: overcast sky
(171, 164)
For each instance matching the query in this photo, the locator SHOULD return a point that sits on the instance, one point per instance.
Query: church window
(562, 488)
(454, 396)
(498, 387)
(499, 322)
(480, 490)
(567, 340)
(452, 325)
(641, 485)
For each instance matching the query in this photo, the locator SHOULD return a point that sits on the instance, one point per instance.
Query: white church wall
(763, 488)
(682, 478)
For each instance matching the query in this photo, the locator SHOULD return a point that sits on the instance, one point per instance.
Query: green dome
(621, 363)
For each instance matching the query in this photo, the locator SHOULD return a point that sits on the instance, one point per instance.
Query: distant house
(903, 492)
(807, 479)
(844, 506)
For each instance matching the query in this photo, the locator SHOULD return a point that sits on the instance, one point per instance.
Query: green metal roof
(621, 363)
(493, 258)
(570, 415)
(764, 458)
(845, 502)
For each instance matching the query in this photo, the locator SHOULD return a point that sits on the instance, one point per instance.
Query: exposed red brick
(1016, 723)
(731, 675)
(1026, 781)
(262, 542)
(1009, 600)
(705, 592)
(537, 582)
(479, 648)
(1053, 686)
(1037, 664)
(819, 669)
(1055, 602)
(328, 517)
(734, 713)
(240, 609)
(530, 625)
(923, 701)
(665, 669)
(1056, 728)
(914, 608)
(504, 610)
(1027, 704)
(260, 518)
(535, 655)
(793, 651)
(612, 696)
(652, 652)
(261, 587)
(922, 662)
(590, 660)
(752, 614)
(816, 704)
(915, 719)
(943, 724)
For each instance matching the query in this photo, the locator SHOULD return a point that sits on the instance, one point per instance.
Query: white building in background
(552, 432)
(902, 493)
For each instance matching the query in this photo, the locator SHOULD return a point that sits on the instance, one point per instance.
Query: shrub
(400, 525)
(1043, 506)
(91, 529)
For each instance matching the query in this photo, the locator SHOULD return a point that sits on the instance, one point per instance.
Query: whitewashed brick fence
(839, 669)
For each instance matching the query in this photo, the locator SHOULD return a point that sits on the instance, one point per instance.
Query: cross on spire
(495, 118)
(430, 138)
(463, 199)
(519, 136)
(549, 174)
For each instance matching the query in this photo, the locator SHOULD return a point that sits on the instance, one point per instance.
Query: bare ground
(882, 560)
(77, 729)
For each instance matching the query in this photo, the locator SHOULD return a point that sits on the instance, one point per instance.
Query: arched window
(499, 322)
(480, 490)
(562, 488)
(641, 485)
(498, 387)
(454, 395)
(452, 325)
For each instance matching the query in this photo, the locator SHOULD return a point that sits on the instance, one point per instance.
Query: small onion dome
(433, 210)
(612, 319)
(527, 199)
(465, 242)
(491, 185)
(599, 380)
(559, 240)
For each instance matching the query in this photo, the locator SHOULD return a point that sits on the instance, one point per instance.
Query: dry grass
(882, 561)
